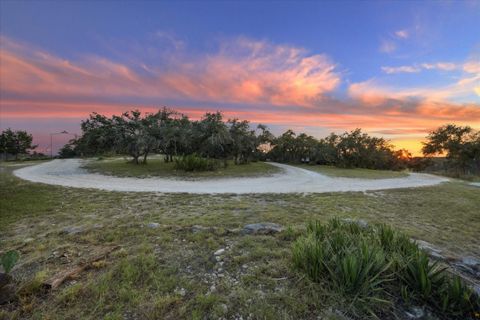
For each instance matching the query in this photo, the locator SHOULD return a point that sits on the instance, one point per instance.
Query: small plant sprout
(9, 259)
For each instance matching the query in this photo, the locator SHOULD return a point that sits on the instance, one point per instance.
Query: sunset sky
(395, 69)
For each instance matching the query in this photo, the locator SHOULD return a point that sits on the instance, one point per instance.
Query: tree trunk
(135, 158)
(145, 158)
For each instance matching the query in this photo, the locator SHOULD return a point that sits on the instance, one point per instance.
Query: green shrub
(193, 162)
(376, 266)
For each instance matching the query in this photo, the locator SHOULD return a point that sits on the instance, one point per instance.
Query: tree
(244, 141)
(172, 131)
(460, 144)
(214, 136)
(98, 136)
(134, 134)
(15, 142)
(130, 133)
(353, 149)
(68, 150)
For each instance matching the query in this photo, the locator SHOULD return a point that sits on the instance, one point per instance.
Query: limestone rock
(262, 228)
(72, 230)
(360, 222)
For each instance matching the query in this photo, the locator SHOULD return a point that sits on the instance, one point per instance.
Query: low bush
(375, 267)
(193, 162)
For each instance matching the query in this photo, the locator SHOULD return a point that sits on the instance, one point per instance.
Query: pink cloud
(403, 34)
(244, 71)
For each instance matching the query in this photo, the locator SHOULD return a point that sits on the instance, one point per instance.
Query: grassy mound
(191, 167)
(377, 268)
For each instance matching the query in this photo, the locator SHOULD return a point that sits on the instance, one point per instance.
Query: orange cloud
(245, 71)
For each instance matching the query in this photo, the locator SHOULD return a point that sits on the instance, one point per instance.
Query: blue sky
(370, 59)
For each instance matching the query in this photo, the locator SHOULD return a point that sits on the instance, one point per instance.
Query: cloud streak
(468, 67)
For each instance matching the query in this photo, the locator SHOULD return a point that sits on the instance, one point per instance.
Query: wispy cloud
(468, 67)
(387, 46)
(401, 69)
(402, 34)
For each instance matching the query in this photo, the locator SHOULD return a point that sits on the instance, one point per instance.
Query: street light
(51, 140)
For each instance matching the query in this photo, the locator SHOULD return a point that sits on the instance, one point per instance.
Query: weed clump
(375, 267)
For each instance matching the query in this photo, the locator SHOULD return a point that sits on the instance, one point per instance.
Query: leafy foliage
(15, 142)
(460, 144)
(348, 150)
(170, 133)
(374, 266)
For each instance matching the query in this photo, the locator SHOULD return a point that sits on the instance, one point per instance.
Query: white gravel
(69, 173)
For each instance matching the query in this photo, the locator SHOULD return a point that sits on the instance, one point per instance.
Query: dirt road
(69, 173)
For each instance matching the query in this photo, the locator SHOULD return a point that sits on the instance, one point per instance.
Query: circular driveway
(68, 173)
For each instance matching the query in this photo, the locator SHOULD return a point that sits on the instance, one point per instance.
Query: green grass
(332, 171)
(156, 167)
(144, 278)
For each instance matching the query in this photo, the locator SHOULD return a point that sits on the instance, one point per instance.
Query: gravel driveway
(69, 173)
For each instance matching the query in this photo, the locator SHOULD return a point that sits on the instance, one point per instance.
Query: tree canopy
(460, 144)
(15, 142)
(174, 134)
(170, 133)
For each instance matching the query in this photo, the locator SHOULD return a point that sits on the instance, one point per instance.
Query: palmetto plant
(341, 254)
(374, 266)
(456, 297)
(422, 276)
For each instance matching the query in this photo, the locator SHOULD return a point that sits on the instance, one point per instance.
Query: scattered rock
(262, 228)
(360, 222)
(430, 249)
(415, 313)
(180, 291)
(197, 228)
(476, 288)
(153, 225)
(468, 265)
(471, 262)
(224, 307)
(219, 252)
(72, 230)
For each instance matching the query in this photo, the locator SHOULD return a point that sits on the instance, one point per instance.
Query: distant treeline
(173, 134)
